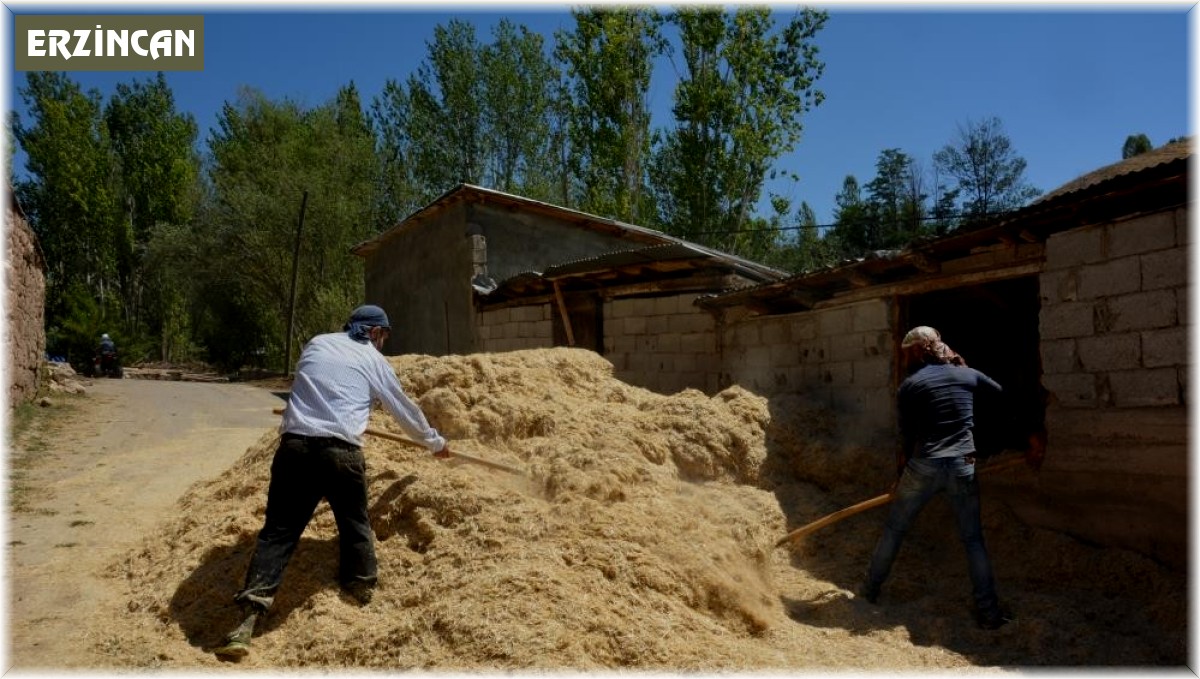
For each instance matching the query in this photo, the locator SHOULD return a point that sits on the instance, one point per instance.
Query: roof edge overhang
(1161, 187)
(480, 195)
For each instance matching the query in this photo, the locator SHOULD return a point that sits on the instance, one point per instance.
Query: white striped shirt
(336, 381)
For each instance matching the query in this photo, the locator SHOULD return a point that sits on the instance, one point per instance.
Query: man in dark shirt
(936, 413)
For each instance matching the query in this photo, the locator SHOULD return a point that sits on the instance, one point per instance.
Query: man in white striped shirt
(338, 377)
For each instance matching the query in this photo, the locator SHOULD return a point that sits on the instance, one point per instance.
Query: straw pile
(642, 537)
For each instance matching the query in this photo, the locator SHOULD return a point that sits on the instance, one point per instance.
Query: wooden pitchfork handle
(462, 456)
(871, 504)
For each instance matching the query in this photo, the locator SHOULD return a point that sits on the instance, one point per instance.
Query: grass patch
(31, 435)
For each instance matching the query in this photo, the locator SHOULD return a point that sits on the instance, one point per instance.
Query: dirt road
(91, 481)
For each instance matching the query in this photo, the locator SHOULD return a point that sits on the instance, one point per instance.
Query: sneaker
(994, 618)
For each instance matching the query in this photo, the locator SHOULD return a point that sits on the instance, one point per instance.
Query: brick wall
(516, 328)
(26, 334)
(840, 357)
(1114, 345)
(665, 344)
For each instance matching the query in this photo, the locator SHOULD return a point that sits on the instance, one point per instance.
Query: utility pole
(287, 343)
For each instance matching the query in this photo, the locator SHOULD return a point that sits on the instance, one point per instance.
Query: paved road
(126, 454)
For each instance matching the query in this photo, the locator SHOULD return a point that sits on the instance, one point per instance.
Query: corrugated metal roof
(679, 250)
(1158, 165)
(653, 263)
(660, 248)
(471, 192)
(1167, 153)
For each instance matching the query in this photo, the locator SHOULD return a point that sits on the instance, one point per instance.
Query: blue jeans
(923, 479)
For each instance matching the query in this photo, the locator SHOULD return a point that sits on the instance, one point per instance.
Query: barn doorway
(994, 326)
(586, 314)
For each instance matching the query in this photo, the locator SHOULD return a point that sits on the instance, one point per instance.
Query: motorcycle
(106, 364)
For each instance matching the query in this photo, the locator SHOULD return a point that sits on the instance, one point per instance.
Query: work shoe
(362, 593)
(993, 618)
(234, 649)
(868, 593)
(237, 644)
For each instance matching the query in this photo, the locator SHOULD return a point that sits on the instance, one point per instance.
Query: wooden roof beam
(859, 279)
(924, 263)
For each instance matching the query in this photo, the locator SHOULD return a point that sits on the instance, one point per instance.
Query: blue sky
(1069, 84)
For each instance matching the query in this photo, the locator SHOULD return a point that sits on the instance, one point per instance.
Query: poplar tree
(472, 112)
(154, 148)
(608, 60)
(739, 105)
(518, 88)
(72, 199)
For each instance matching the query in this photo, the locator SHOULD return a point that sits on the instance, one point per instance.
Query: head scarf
(363, 319)
(933, 349)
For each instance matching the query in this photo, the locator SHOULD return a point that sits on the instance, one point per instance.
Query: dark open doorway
(994, 326)
(586, 312)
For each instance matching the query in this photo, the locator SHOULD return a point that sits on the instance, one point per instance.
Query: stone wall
(1114, 342)
(516, 328)
(840, 357)
(24, 271)
(665, 344)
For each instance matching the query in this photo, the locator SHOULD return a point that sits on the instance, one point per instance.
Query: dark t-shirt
(937, 412)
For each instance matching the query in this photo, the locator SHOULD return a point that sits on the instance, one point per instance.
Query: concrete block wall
(665, 344)
(841, 357)
(1113, 318)
(26, 290)
(516, 328)
(1114, 344)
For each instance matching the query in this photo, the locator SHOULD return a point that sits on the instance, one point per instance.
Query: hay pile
(641, 538)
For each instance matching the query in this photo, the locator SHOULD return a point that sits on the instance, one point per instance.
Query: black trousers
(305, 470)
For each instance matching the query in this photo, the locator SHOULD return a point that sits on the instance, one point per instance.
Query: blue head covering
(363, 319)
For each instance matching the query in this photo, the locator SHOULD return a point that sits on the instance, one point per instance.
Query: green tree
(450, 79)
(154, 146)
(475, 113)
(806, 249)
(265, 156)
(990, 175)
(943, 213)
(71, 197)
(895, 199)
(518, 81)
(739, 106)
(608, 59)
(1136, 144)
(399, 192)
(549, 176)
(855, 229)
